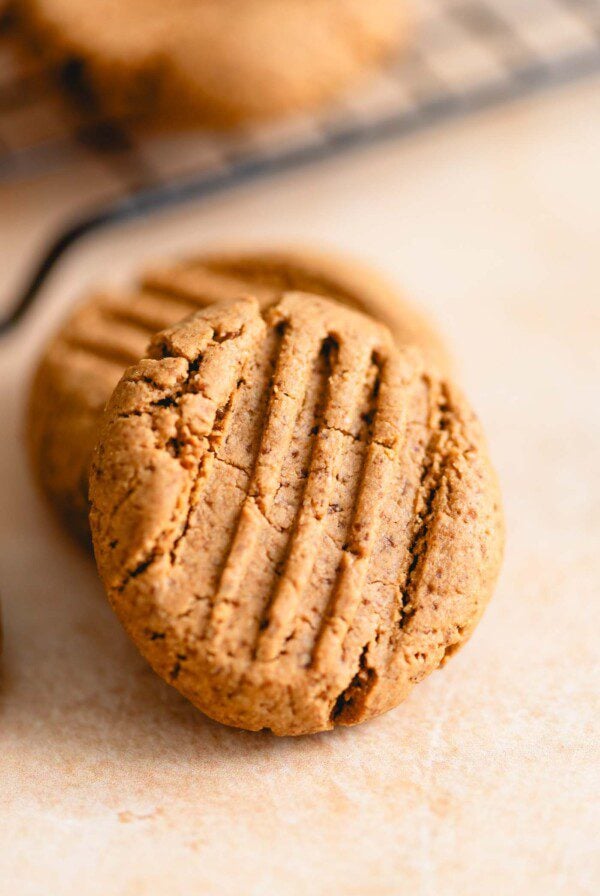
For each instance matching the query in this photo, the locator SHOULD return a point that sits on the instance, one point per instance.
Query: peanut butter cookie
(85, 359)
(295, 520)
(216, 61)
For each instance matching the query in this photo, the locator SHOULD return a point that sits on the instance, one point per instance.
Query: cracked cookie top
(295, 520)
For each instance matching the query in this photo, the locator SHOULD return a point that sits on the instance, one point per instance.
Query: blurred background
(468, 171)
(67, 157)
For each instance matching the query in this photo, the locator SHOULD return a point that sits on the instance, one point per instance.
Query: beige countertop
(486, 780)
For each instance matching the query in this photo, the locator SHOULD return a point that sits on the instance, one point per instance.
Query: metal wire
(470, 54)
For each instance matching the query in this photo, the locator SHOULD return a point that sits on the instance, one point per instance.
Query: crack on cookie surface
(349, 704)
(437, 454)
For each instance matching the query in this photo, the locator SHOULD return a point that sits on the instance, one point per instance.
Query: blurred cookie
(216, 61)
(85, 359)
(294, 520)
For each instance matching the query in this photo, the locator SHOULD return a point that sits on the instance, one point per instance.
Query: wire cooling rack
(468, 54)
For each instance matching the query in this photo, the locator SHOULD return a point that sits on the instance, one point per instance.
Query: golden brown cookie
(85, 359)
(216, 61)
(294, 520)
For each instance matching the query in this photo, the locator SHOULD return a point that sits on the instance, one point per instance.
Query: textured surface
(294, 521)
(84, 360)
(221, 61)
(484, 781)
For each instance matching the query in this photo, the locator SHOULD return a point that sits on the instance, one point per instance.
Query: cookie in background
(86, 357)
(215, 62)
